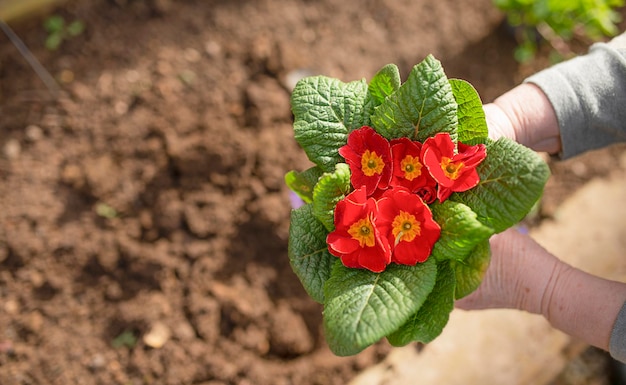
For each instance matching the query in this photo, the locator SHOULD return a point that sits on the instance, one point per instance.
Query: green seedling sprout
(59, 30)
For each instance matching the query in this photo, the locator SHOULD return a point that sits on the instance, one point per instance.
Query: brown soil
(144, 218)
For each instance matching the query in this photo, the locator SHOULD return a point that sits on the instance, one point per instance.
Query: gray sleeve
(617, 345)
(588, 94)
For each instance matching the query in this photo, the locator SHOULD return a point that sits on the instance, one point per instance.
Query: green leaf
(75, 28)
(384, 83)
(126, 339)
(325, 110)
(308, 252)
(330, 189)
(106, 211)
(53, 41)
(472, 127)
(54, 23)
(461, 231)
(302, 183)
(429, 321)
(362, 307)
(512, 178)
(423, 106)
(470, 272)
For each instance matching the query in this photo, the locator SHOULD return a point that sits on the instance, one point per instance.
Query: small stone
(157, 336)
(114, 366)
(97, 362)
(292, 78)
(12, 149)
(12, 307)
(34, 133)
(212, 48)
(37, 279)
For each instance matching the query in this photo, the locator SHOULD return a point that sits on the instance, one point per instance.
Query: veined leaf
(325, 110)
(384, 83)
(308, 252)
(330, 189)
(461, 231)
(429, 321)
(469, 273)
(472, 127)
(423, 106)
(362, 307)
(302, 183)
(512, 178)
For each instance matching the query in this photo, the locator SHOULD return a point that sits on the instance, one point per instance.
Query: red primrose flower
(454, 171)
(386, 218)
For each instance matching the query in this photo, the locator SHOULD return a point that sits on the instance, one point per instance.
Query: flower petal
(339, 244)
(369, 156)
(374, 259)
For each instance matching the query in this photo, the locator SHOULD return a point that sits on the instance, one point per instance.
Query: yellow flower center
(411, 166)
(363, 231)
(451, 170)
(371, 163)
(405, 227)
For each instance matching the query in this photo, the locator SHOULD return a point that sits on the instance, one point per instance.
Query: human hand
(520, 268)
(517, 277)
(525, 115)
(523, 275)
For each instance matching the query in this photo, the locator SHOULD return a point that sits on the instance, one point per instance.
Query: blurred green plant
(126, 339)
(59, 30)
(557, 22)
(105, 211)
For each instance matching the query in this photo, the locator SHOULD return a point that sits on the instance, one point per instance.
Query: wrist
(583, 305)
(519, 274)
(542, 272)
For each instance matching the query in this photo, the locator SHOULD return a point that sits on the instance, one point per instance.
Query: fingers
(531, 118)
(498, 122)
(517, 277)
